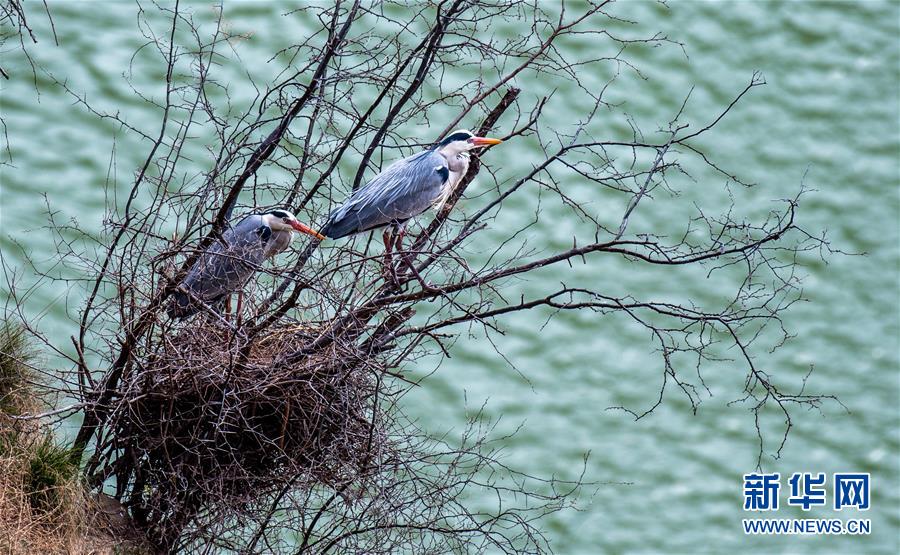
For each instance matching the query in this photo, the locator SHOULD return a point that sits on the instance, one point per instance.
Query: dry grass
(18, 391)
(43, 506)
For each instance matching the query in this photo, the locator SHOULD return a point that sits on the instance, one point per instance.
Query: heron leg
(390, 274)
(227, 307)
(409, 261)
(237, 311)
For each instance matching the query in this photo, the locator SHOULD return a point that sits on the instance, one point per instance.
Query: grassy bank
(43, 506)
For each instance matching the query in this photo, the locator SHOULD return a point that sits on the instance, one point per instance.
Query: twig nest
(214, 413)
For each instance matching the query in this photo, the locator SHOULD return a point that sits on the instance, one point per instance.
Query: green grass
(17, 392)
(50, 469)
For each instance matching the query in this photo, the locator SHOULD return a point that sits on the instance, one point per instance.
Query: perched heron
(405, 189)
(227, 265)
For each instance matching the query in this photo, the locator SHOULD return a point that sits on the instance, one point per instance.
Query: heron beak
(485, 141)
(307, 230)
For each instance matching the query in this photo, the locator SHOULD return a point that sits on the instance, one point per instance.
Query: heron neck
(279, 242)
(458, 163)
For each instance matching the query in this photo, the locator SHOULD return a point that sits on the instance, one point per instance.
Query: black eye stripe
(280, 214)
(461, 136)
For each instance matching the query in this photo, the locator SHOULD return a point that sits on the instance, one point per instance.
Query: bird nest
(211, 413)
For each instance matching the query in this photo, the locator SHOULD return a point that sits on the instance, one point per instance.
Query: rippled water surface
(670, 482)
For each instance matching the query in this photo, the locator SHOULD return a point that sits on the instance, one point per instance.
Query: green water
(670, 483)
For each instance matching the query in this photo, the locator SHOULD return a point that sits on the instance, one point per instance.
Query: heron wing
(227, 264)
(401, 191)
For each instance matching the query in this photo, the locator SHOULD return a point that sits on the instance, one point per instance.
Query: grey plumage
(407, 187)
(403, 190)
(228, 263)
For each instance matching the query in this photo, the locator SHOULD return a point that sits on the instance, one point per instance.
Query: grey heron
(405, 189)
(228, 263)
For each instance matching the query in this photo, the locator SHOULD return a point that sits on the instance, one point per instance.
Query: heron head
(464, 140)
(282, 220)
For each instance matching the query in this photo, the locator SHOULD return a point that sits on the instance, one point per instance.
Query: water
(670, 482)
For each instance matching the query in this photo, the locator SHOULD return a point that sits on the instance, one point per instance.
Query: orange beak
(307, 230)
(485, 141)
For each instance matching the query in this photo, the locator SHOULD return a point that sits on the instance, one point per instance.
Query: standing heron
(227, 265)
(405, 189)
